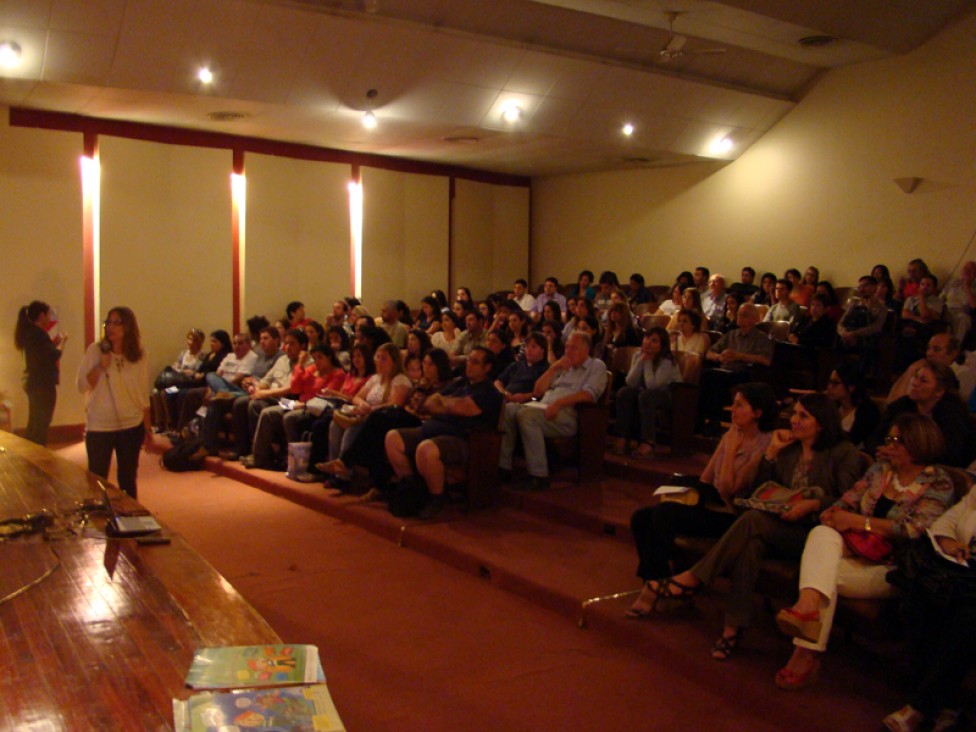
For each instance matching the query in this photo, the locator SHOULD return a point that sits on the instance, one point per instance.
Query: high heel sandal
(806, 626)
(789, 680)
(906, 719)
(725, 646)
(661, 589)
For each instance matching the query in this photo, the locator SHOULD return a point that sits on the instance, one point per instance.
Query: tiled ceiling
(300, 71)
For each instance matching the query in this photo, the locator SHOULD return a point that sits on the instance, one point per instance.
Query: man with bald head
(737, 353)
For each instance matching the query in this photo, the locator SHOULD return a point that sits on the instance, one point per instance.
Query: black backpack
(188, 455)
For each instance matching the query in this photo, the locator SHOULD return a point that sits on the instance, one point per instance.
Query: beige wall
(405, 236)
(40, 235)
(490, 239)
(166, 240)
(297, 235)
(817, 189)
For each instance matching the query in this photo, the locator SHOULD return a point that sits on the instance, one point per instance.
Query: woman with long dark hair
(114, 377)
(42, 355)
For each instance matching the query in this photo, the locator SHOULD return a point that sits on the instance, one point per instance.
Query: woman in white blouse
(447, 337)
(114, 377)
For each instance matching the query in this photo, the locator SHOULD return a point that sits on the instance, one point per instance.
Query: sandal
(790, 680)
(906, 719)
(947, 720)
(663, 594)
(725, 646)
(806, 626)
(640, 610)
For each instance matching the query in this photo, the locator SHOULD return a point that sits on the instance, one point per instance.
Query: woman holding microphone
(114, 376)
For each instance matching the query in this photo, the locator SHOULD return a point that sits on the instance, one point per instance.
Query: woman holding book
(812, 457)
(729, 472)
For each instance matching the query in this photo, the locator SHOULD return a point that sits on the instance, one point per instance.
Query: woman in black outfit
(41, 374)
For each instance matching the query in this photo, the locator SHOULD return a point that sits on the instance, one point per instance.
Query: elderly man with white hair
(959, 295)
(573, 379)
(713, 301)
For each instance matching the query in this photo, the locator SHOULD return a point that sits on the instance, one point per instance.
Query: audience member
(647, 389)
(550, 291)
(766, 295)
(934, 392)
(895, 501)
(730, 473)
(390, 322)
(637, 292)
(859, 415)
(940, 628)
(295, 315)
(713, 301)
(908, 285)
(473, 335)
(584, 286)
(236, 366)
(670, 306)
(746, 286)
(575, 378)
(736, 352)
(784, 308)
(959, 295)
(942, 348)
(522, 296)
(518, 380)
(816, 330)
(337, 338)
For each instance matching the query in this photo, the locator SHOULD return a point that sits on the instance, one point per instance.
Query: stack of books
(259, 688)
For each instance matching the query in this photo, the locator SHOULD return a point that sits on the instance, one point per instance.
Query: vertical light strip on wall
(90, 233)
(356, 232)
(238, 226)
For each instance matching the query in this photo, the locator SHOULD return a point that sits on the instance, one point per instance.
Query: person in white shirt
(521, 295)
(235, 366)
(114, 377)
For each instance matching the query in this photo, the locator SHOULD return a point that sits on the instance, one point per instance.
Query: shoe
(906, 719)
(433, 508)
(249, 462)
(539, 483)
(947, 720)
(806, 626)
(789, 680)
(663, 594)
(725, 646)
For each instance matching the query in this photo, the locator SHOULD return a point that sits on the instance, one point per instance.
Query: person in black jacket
(934, 392)
(859, 415)
(42, 355)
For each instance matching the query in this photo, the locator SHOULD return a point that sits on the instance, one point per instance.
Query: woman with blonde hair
(114, 377)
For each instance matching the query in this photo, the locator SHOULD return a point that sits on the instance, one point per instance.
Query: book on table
(264, 710)
(234, 667)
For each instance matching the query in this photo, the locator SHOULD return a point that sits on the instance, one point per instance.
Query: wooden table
(105, 641)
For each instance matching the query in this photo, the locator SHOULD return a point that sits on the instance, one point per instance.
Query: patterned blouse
(916, 506)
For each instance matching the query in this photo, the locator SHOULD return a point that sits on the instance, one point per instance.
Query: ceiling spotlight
(205, 75)
(628, 129)
(9, 54)
(722, 145)
(369, 121)
(511, 112)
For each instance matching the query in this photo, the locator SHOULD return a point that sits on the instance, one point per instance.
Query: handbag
(171, 377)
(868, 545)
(921, 571)
(347, 418)
(775, 498)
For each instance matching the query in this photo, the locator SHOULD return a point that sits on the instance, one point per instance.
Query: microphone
(104, 345)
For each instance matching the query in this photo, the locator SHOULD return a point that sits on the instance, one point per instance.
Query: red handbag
(868, 545)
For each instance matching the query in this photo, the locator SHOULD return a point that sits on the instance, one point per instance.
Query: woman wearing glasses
(114, 377)
(896, 501)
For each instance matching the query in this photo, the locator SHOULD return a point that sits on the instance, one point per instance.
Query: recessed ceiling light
(9, 54)
(205, 75)
(511, 112)
(721, 145)
(369, 121)
(628, 129)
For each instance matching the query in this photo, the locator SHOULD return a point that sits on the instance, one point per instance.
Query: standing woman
(41, 376)
(114, 376)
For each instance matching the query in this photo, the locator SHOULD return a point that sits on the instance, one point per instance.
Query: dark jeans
(126, 445)
(944, 648)
(41, 401)
(369, 447)
(655, 528)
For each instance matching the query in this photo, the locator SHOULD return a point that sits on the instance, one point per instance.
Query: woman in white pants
(896, 500)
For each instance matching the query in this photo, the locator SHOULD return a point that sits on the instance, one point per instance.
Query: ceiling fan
(674, 48)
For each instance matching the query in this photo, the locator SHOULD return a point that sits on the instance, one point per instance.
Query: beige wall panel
(817, 189)
(510, 246)
(297, 235)
(490, 242)
(405, 236)
(166, 240)
(40, 247)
